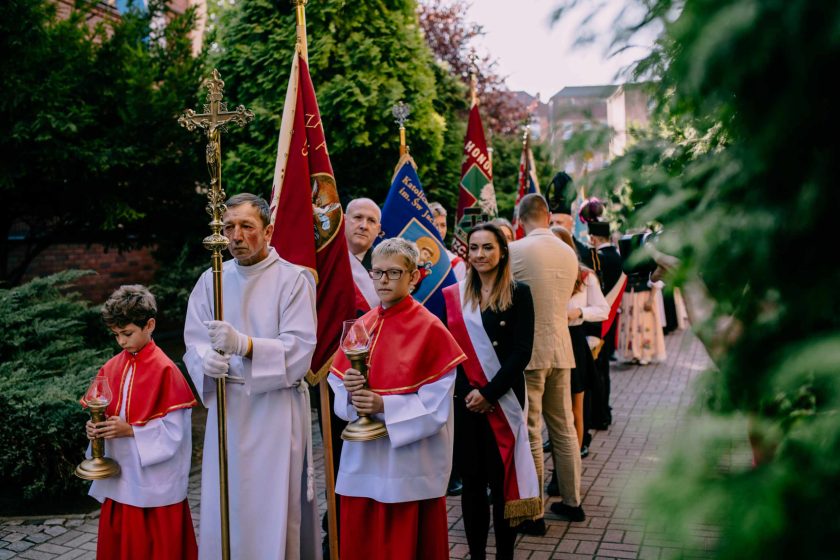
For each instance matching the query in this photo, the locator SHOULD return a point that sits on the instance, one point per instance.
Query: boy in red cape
(145, 513)
(393, 503)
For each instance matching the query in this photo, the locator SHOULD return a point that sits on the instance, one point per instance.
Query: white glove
(215, 365)
(227, 339)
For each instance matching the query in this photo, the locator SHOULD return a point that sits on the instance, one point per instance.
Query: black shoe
(455, 487)
(553, 489)
(584, 452)
(547, 447)
(535, 527)
(568, 513)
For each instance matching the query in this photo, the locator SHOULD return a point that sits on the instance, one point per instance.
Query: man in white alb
(266, 343)
(361, 226)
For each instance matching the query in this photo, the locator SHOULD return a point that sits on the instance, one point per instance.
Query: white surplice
(273, 302)
(413, 462)
(154, 464)
(363, 281)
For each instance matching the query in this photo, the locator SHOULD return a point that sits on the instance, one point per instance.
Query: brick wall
(114, 268)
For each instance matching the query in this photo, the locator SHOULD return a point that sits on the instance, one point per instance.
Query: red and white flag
(528, 183)
(476, 187)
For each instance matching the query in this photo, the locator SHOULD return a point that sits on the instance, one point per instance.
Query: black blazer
(512, 333)
(608, 267)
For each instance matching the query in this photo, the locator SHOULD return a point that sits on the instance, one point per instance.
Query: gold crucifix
(214, 119)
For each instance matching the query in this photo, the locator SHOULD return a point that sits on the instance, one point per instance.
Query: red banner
(306, 212)
(476, 187)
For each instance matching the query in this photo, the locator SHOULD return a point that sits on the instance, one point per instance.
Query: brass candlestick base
(364, 428)
(98, 466)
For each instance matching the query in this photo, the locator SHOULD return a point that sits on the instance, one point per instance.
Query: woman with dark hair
(492, 319)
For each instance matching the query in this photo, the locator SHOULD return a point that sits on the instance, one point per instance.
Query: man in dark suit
(603, 257)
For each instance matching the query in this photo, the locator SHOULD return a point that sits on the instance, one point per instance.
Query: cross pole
(214, 120)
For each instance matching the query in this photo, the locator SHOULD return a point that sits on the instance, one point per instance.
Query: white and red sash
(523, 498)
(614, 300)
(366, 296)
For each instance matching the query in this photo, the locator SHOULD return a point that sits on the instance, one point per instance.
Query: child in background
(147, 430)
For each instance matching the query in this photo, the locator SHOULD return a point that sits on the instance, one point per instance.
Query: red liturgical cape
(410, 347)
(157, 386)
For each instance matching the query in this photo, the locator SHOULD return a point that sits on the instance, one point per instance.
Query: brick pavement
(648, 402)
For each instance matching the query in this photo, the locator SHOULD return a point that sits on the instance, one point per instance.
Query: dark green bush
(173, 284)
(53, 343)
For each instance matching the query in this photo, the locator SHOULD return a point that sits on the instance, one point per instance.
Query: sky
(539, 58)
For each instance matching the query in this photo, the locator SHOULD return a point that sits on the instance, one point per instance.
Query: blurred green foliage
(741, 166)
(53, 344)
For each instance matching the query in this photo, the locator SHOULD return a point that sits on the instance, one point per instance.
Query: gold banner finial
(401, 111)
(300, 18)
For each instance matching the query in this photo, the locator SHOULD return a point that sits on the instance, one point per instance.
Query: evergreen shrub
(53, 343)
(173, 285)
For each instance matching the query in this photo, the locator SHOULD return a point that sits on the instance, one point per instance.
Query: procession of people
(434, 364)
(526, 341)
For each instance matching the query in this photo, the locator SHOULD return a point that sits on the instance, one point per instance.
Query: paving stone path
(648, 403)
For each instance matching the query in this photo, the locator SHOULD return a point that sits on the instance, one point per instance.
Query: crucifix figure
(213, 120)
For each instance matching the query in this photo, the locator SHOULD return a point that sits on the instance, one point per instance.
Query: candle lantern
(97, 398)
(355, 342)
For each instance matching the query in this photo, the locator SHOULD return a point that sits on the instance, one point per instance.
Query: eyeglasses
(393, 273)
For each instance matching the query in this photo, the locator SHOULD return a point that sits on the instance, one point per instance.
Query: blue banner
(406, 214)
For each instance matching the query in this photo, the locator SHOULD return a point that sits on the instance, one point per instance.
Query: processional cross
(214, 120)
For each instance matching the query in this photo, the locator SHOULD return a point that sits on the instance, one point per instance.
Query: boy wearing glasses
(393, 489)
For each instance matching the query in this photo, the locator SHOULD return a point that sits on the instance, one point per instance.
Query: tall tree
(364, 56)
(450, 35)
(89, 149)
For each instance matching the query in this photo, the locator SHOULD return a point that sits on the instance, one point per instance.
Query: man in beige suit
(550, 268)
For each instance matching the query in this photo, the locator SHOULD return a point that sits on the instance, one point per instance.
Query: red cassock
(127, 532)
(371, 530)
(135, 533)
(410, 348)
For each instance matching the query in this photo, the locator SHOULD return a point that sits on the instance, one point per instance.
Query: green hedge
(52, 344)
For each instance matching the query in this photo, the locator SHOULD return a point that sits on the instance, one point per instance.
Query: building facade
(608, 113)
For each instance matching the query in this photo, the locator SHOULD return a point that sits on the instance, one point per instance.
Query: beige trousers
(550, 397)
